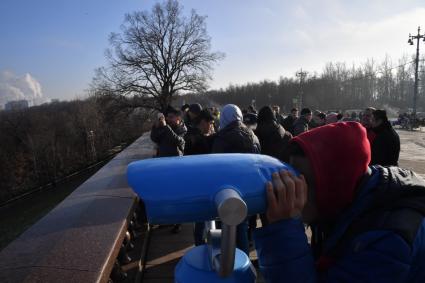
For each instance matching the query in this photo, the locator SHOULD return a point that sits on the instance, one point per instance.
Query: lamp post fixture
(415, 91)
(302, 74)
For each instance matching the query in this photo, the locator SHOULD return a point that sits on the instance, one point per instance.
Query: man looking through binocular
(367, 221)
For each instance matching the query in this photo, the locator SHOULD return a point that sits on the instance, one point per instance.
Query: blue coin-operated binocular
(201, 188)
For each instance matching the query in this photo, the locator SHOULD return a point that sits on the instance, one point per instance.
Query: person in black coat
(318, 120)
(288, 122)
(301, 124)
(386, 145)
(279, 117)
(168, 132)
(192, 114)
(273, 137)
(234, 136)
(199, 139)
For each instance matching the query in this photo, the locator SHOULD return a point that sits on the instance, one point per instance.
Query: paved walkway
(412, 155)
(166, 249)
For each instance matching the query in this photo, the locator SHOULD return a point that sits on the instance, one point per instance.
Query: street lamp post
(302, 76)
(415, 91)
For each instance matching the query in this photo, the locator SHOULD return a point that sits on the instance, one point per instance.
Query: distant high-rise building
(16, 105)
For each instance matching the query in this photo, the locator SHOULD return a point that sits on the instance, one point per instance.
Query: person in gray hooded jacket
(234, 136)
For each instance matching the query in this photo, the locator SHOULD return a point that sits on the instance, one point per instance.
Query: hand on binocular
(286, 196)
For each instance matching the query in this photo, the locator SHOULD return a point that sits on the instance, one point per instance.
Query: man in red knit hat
(367, 221)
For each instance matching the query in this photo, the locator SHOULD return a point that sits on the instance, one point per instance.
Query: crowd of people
(410, 121)
(195, 130)
(365, 213)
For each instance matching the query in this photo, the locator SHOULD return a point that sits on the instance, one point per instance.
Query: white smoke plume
(14, 87)
(392, 112)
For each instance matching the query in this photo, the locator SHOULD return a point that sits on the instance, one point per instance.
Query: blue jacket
(393, 252)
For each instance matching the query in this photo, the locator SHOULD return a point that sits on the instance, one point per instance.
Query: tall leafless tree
(157, 55)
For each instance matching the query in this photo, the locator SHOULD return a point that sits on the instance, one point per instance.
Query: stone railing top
(79, 240)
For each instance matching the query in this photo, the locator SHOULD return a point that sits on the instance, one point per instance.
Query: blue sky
(60, 43)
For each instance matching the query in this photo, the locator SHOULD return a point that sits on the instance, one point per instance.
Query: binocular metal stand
(219, 260)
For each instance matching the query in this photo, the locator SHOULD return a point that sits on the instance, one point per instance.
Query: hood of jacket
(230, 113)
(269, 130)
(339, 154)
(384, 126)
(266, 115)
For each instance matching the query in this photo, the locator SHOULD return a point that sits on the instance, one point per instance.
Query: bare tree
(158, 54)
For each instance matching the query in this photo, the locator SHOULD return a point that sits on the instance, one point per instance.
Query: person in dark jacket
(318, 120)
(168, 132)
(366, 121)
(250, 120)
(368, 221)
(301, 124)
(192, 115)
(386, 144)
(279, 117)
(251, 109)
(199, 139)
(235, 137)
(288, 122)
(273, 137)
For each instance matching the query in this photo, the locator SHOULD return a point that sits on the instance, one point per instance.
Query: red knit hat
(339, 154)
